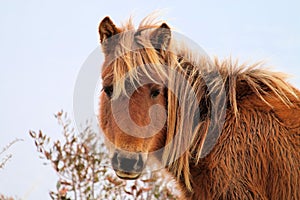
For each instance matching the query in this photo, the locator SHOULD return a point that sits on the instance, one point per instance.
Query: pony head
(133, 101)
(150, 100)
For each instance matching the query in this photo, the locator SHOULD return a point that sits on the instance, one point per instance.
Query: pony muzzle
(128, 165)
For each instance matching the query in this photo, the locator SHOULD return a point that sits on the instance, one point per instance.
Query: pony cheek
(104, 110)
(105, 120)
(157, 142)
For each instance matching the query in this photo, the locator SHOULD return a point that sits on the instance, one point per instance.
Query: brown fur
(257, 154)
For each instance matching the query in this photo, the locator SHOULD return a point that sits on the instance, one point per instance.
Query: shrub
(7, 157)
(3, 160)
(83, 168)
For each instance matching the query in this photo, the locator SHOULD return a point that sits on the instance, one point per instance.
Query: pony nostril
(115, 161)
(133, 163)
(140, 163)
(127, 164)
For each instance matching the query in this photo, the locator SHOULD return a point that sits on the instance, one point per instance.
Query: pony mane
(188, 124)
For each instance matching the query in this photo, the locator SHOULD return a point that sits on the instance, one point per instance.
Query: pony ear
(161, 37)
(107, 29)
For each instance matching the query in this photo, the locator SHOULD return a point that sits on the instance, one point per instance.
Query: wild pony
(222, 130)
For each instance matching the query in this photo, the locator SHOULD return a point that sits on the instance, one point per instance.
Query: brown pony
(222, 130)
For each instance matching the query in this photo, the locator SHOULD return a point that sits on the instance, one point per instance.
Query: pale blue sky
(43, 45)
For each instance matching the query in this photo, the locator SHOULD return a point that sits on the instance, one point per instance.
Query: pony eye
(108, 90)
(155, 93)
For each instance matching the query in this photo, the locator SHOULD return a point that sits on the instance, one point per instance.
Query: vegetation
(82, 165)
(4, 158)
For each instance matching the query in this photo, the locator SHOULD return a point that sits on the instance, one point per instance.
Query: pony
(222, 130)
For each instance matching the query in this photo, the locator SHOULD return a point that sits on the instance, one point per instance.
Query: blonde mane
(187, 124)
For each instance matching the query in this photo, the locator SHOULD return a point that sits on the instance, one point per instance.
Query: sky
(44, 45)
